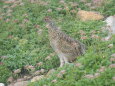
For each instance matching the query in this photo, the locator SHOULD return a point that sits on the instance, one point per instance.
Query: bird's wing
(68, 45)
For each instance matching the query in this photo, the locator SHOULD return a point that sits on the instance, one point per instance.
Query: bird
(67, 48)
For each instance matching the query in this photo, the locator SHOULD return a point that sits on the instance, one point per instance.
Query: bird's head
(47, 19)
(50, 22)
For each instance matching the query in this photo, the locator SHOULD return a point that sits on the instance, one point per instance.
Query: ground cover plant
(24, 41)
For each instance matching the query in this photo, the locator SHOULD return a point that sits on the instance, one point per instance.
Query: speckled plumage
(66, 47)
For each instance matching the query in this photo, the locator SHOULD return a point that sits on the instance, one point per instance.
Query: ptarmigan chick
(66, 47)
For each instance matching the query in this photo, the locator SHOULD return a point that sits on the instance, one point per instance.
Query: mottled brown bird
(66, 47)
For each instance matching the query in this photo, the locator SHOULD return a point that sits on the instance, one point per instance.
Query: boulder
(37, 78)
(89, 15)
(1, 84)
(109, 27)
(21, 83)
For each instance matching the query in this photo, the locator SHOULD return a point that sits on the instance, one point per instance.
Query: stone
(112, 65)
(89, 15)
(113, 78)
(112, 59)
(89, 76)
(21, 83)
(49, 10)
(59, 75)
(2, 84)
(50, 72)
(78, 64)
(102, 69)
(17, 71)
(109, 27)
(113, 55)
(37, 72)
(39, 64)
(96, 75)
(54, 81)
(20, 79)
(10, 79)
(110, 45)
(99, 3)
(29, 67)
(42, 71)
(9, 1)
(63, 72)
(37, 78)
(27, 77)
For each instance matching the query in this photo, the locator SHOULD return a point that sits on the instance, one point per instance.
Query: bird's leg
(65, 60)
(61, 62)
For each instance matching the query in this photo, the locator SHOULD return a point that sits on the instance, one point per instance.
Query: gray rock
(21, 83)
(2, 84)
(37, 78)
(110, 27)
(50, 72)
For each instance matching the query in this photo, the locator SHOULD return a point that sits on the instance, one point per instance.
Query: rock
(89, 15)
(106, 38)
(37, 72)
(22, 83)
(83, 37)
(78, 64)
(48, 58)
(3, 57)
(20, 79)
(62, 1)
(10, 79)
(112, 59)
(110, 21)
(112, 66)
(50, 72)
(9, 1)
(59, 9)
(37, 78)
(102, 69)
(1, 84)
(27, 77)
(59, 75)
(1, 63)
(49, 10)
(109, 27)
(113, 78)
(30, 67)
(63, 72)
(42, 71)
(50, 55)
(89, 76)
(81, 32)
(96, 75)
(11, 84)
(54, 81)
(110, 45)
(17, 71)
(93, 36)
(84, 1)
(98, 3)
(113, 55)
(39, 64)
